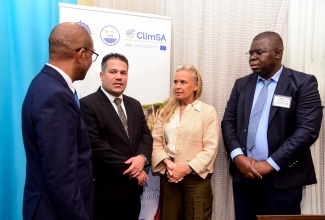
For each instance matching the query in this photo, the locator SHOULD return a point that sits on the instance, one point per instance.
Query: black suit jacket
(291, 131)
(111, 145)
(59, 180)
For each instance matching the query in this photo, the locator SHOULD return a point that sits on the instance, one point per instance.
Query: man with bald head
(272, 118)
(59, 179)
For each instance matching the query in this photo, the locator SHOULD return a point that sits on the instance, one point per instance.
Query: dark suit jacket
(59, 180)
(111, 145)
(291, 131)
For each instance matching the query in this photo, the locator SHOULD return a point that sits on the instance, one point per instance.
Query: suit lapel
(109, 107)
(250, 87)
(284, 81)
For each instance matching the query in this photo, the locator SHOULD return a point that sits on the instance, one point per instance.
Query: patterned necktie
(76, 98)
(255, 116)
(121, 114)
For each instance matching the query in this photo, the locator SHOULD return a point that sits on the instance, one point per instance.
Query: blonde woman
(186, 138)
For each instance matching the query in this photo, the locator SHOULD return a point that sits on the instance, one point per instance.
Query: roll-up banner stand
(145, 40)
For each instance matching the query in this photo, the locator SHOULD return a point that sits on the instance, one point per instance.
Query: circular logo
(85, 26)
(110, 35)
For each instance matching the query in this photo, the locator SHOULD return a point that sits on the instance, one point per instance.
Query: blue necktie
(76, 98)
(255, 116)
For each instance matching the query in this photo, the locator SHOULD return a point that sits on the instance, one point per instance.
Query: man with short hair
(59, 179)
(272, 118)
(121, 142)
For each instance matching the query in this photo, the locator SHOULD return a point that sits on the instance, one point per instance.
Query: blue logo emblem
(162, 47)
(84, 25)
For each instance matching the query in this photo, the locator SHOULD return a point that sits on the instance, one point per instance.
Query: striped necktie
(256, 114)
(121, 114)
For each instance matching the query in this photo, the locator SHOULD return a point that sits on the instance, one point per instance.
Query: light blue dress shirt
(260, 151)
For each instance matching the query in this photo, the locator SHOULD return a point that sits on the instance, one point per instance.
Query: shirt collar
(109, 96)
(276, 76)
(196, 105)
(65, 76)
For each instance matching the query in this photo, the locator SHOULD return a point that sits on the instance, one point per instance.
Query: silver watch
(191, 170)
(145, 159)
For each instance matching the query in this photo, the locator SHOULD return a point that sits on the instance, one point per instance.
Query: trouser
(114, 202)
(189, 199)
(260, 197)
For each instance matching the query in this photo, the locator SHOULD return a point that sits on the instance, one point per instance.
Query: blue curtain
(25, 26)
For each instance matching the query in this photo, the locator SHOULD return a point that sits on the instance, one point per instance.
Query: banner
(145, 40)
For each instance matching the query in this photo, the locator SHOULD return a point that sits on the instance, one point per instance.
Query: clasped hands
(136, 169)
(250, 168)
(175, 173)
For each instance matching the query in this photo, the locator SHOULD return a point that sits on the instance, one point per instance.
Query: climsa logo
(145, 36)
(130, 33)
(110, 35)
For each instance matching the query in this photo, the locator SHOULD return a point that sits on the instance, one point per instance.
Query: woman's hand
(178, 173)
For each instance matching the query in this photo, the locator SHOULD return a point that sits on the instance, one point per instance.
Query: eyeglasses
(94, 54)
(257, 53)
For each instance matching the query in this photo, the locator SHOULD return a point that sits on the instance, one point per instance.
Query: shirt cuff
(235, 153)
(273, 164)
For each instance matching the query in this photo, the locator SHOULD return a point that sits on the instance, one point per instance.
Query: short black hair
(113, 56)
(275, 37)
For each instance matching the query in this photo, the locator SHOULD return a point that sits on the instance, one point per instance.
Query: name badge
(281, 101)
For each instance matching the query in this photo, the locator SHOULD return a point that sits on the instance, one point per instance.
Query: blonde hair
(172, 102)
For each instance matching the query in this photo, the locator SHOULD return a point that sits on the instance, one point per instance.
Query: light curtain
(214, 36)
(25, 27)
(305, 51)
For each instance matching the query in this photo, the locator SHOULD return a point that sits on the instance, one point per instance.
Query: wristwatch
(191, 170)
(145, 159)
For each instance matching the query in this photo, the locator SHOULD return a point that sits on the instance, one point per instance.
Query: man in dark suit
(59, 179)
(271, 164)
(121, 142)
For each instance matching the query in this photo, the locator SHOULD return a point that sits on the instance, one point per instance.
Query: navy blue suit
(291, 131)
(59, 180)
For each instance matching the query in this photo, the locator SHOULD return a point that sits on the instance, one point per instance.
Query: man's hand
(137, 164)
(142, 178)
(263, 167)
(246, 166)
